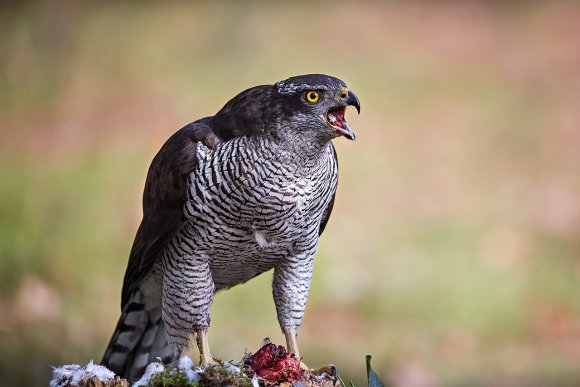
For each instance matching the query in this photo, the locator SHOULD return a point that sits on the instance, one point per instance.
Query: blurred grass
(453, 252)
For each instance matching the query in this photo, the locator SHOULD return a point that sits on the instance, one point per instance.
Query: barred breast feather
(251, 203)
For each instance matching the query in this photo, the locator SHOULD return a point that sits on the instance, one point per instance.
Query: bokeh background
(453, 254)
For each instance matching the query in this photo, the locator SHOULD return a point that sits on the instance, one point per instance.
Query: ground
(271, 365)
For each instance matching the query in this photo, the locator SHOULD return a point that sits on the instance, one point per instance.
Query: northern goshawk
(227, 198)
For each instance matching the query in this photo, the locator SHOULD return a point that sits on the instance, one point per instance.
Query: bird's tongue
(336, 117)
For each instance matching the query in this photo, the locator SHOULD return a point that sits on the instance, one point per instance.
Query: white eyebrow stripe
(284, 87)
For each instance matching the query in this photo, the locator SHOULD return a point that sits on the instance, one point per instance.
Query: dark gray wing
(328, 209)
(166, 186)
(163, 199)
(243, 115)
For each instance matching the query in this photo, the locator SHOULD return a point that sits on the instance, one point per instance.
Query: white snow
(152, 369)
(72, 374)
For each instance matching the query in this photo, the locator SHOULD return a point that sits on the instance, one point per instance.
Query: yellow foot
(206, 360)
(291, 343)
(205, 357)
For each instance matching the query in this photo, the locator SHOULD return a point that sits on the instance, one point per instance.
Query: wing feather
(163, 198)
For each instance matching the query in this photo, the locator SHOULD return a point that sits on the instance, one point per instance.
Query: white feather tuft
(232, 368)
(255, 381)
(151, 370)
(186, 366)
(73, 374)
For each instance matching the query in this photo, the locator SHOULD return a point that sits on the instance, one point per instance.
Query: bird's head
(316, 103)
(311, 107)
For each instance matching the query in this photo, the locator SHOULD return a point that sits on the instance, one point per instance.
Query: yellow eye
(312, 96)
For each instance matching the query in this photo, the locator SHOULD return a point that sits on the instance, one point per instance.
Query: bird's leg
(186, 304)
(205, 357)
(291, 343)
(290, 290)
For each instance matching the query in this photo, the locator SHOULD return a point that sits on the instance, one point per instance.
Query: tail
(138, 340)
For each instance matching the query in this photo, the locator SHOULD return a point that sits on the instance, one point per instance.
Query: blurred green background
(453, 254)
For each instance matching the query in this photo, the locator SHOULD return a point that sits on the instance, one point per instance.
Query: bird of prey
(227, 198)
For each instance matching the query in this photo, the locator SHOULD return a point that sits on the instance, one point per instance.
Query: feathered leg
(290, 289)
(188, 290)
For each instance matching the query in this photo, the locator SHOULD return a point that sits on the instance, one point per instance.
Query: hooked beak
(335, 116)
(352, 100)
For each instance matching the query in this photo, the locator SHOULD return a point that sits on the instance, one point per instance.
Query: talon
(334, 374)
(329, 371)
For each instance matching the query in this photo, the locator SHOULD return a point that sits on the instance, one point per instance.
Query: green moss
(213, 376)
(218, 375)
(171, 378)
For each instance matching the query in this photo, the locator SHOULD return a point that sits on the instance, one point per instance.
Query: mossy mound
(212, 376)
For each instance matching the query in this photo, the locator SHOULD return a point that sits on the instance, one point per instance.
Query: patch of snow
(152, 369)
(72, 374)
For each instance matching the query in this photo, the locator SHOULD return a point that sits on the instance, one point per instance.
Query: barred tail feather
(137, 341)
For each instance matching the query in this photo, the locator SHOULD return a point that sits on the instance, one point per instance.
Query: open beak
(335, 116)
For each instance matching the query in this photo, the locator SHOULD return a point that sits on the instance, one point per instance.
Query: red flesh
(273, 363)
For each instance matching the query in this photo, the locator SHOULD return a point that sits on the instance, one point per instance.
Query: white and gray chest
(242, 187)
(247, 212)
